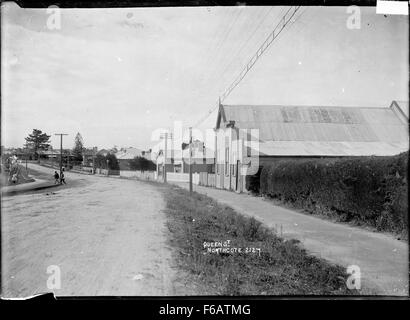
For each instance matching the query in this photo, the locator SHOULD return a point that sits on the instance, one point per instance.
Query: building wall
(198, 167)
(232, 158)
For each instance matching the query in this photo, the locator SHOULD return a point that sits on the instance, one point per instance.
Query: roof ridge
(300, 106)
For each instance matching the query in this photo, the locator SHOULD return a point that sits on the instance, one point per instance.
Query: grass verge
(279, 268)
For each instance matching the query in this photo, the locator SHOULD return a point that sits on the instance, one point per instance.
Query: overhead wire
(261, 49)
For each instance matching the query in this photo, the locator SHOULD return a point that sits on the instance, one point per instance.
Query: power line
(213, 42)
(265, 45)
(257, 27)
(217, 104)
(246, 41)
(222, 41)
(245, 25)
(262, 48)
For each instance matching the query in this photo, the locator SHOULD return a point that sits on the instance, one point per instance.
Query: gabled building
(249, 136)
(125, 155)
(103, 152)
(178, 159)
(202, 158)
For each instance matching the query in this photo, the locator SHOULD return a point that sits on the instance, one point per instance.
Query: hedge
(367, 190)
(253, 182)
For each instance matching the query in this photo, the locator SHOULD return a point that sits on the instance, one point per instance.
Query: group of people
(59, 178)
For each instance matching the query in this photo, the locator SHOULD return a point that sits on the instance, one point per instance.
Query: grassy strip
(281, 267)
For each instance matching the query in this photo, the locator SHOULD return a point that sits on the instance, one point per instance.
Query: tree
(142, 164)
(78, 147)
(112, 162)
(37, 140)
(100, 161)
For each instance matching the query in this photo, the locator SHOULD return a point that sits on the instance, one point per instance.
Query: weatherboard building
(251, 136)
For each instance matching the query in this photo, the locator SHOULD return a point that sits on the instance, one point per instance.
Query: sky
(118, 75)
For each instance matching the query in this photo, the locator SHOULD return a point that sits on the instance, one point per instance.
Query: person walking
(62, 178)
(56, 177)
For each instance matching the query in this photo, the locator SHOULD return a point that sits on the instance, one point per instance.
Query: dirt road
(107, 236)
(383, 260)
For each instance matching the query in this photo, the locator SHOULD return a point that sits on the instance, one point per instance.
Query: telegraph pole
(164, 164)
(26, 156)
(165, 157)
(94, 152)
(61, 150)
(190, 159)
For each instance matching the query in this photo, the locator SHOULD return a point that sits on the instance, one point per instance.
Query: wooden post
(165, 157)
(94, 150)
(190, 160)
(61, 151)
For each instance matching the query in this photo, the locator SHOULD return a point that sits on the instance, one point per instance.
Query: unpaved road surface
(107, 236)
(383, 260)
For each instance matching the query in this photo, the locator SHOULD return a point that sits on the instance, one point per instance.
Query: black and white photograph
(205, 151)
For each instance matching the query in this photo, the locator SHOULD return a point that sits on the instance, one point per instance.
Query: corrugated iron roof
(317, 130)
(129, 153)
(314, 148)
(403, 106)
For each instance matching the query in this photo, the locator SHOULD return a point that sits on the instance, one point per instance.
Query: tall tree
(78, 147)
(37, 140)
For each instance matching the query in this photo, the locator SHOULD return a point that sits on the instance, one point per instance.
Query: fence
(206, 179)
(107, 172)
(182, 177)
(143, 175)
(177, 177)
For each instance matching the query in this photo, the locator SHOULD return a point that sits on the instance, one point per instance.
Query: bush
(142, 164)
(366, 190)
(107, 162)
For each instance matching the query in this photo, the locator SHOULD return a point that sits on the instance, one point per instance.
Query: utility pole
(164, 164)
(94, 151)
(61, 150)
(26, 156)
(165, 157)
(190, 159)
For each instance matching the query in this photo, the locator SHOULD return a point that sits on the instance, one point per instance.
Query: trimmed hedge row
(367, 190)
(253, 182)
